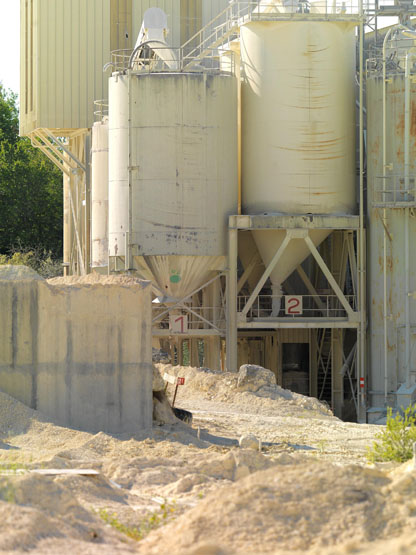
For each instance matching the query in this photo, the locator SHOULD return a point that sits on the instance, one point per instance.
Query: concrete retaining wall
(78, 350)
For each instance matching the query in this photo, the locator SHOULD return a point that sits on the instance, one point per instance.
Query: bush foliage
(42, 261)
(395, 442)
(31, 200)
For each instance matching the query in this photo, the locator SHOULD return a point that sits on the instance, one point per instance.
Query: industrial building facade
(223, 151)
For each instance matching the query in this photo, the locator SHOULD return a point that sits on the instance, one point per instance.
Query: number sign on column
(178, 324)
(293, 305)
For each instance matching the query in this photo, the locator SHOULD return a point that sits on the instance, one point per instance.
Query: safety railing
(296, 306)
(225, 26)
(165, 59)
(100, 109)
(196, 318)
(394, 190)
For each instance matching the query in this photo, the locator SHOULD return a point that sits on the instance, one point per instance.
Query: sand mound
(15, 417)
(95, 279)
(11, 272)
(252, 396)
(293, 507)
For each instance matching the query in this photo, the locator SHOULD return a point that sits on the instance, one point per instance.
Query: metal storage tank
(298, 127)
(180, 156)
(391, 168)
(99, 195)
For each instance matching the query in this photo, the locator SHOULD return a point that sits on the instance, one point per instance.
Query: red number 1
(181, 319)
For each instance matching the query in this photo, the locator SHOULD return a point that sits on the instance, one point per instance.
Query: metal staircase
(224, 28)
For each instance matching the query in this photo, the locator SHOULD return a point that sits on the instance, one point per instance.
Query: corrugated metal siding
(191, 18)
(71, 45)
(121, 20)
(65, 44)
(211, 8)
(28, 65)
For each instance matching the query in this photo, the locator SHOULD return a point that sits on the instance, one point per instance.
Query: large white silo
(99, 195)
(391, 170)
(298, 127)
(172, 175)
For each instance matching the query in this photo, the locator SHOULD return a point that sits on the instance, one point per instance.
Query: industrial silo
(391, 163)
(99, 195)
(298, 128)
(172, 174)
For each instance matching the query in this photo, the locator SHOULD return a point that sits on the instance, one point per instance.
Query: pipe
(361, 261)
(406, 212)
(385, 316)
(127, 254)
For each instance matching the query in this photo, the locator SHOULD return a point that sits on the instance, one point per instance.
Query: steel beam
(329, 276)
(231, 313)
(267, 273)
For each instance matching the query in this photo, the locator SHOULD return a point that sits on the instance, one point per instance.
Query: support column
(313, 365)
(231, 309)
(67, 226)
(212, 307)
(337, 377)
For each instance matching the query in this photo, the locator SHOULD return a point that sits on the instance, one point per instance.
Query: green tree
(30, 189)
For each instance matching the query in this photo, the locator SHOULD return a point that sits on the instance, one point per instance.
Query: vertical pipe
(406, 214)
(232, 298)
(67, 239)
(385, 315)
(127, 260)
(362, 307)
(87, 161)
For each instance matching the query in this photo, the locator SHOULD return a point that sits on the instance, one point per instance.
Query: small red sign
(362, 383)
(180, 381)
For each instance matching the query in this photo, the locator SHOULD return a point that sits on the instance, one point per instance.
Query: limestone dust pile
(220, 498)
(297, 505)
(253, 388)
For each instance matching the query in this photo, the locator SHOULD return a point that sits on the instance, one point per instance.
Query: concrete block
(79, 349)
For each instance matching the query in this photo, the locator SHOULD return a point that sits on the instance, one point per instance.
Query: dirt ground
(192, 490)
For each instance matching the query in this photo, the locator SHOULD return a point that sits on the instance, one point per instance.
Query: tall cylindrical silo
(391, 170)
(298, 127)
(99, 195)
(172, 174)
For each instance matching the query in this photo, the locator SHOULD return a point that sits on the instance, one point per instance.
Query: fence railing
(100, 109)
(310, 306)
(198, 318)
(164, 59)
(225, 26)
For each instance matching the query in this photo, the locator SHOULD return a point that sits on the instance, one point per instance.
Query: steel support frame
(67, 155)
(212, 330)
(299, 226)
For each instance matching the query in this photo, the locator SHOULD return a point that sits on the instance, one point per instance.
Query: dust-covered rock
(162, 411)
(248, 441)
(252, 378)
(158, 384)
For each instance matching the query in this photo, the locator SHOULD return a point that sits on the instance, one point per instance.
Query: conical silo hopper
(172, 175)
(298, 127)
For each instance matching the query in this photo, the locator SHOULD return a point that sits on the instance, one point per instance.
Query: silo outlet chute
(298, 127)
